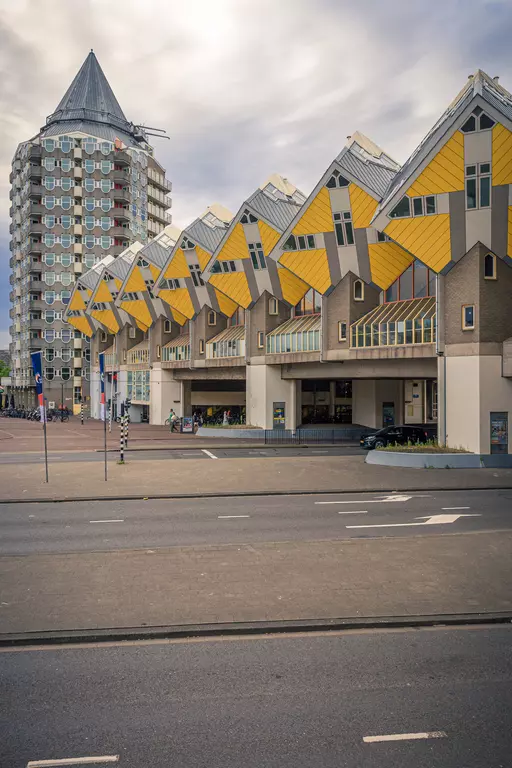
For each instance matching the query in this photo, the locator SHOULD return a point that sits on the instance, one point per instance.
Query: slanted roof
(368, 163)
(155, 253)
(205, 236)
(479, 84)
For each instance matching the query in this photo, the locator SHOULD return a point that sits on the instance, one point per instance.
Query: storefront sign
(187, 424)
(499, 432)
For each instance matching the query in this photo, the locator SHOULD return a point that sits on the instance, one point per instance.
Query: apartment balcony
(77, 191)
(77, 343)
(35, 171)
(34, 151)
(121, 176)
(229, 343)
(37, 286)
(77, 248)
(77, 153)
(156, 194)
(159, 213)
(119, 232)
(36, 228)
(121, 194)
(79, 172)
(122, 158)
(78, 268)
(159, 180)
(36, 208)
(35, 247)
(121, 213)
(37, 304)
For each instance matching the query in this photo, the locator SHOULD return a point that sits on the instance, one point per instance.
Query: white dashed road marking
(405, 736)
(353, 512)
(231, 517)
(445, 508)
(106, 521)
(209, 453)
(98, 760)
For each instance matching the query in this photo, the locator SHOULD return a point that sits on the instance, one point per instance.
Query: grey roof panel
(119, 268)
(375, 176)
(90, 89)
(278, 212)
(89, 278)
(155, 253)
(207, 237)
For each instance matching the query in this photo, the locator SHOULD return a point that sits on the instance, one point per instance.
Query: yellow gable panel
(235, 246)
(203, 256)
(363, 206)
(509, 247)
(178, 299)
(178, 266)
(102, 293)
(226, 305)
(387, 262)
(155, 272)
(107, 318)
(293, 287)
(81, 324)
(501, 155)
(135, 281)
(141, 326)
(138, 310)
(445, 173)
(427, 237)
(118, 283)
(269, 237)
(310, 266)
(318, 216)
(178, 317)
(76, 301)
(234, 285)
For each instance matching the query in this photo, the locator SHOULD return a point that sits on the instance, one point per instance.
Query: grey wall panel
(331, 248)
(458, 224)
(363, 256)
(499, 220)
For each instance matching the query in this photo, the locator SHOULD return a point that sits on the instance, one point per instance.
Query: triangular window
(477, 121)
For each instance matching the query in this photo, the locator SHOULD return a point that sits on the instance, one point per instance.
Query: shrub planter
(439, 460)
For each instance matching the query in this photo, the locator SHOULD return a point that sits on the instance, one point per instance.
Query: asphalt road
(186, 453)
(283, 702)
(112, 525)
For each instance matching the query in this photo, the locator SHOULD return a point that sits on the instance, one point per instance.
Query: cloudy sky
(246, 88)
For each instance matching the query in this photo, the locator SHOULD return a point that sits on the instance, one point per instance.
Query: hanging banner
(102, 385)
(38, 376)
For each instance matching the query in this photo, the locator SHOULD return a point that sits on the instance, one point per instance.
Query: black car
(398, 435)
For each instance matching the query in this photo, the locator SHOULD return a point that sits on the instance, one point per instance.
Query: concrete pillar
(364, 397)
(332, 399)
(186, 400)
(165, 394)
(266, 387)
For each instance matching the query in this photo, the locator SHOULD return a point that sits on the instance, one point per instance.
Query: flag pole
(37, 367)
(45, 443)
(103, 413)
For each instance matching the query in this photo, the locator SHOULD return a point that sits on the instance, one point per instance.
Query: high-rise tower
(85, 186)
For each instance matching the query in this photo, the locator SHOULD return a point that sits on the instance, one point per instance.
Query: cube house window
(342, 331)
(273, 308)
(468, 317)
(490, 266)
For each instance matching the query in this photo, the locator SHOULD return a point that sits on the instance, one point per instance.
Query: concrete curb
(439, 460)
(338, 444)
(76, 636)
(242, 494)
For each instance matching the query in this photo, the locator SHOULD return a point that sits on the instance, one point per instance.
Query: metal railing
(306, 436)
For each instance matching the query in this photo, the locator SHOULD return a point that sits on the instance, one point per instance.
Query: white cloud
(246, 89)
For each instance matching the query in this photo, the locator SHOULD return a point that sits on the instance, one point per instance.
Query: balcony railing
(396, 324)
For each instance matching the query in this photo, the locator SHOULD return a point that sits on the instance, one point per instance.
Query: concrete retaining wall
(438, 460)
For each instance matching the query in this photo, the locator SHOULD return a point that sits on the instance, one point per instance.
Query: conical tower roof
(90, 105)
(91, 90)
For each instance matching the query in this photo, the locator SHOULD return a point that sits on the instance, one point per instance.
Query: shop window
(468, 317)
(490, 266)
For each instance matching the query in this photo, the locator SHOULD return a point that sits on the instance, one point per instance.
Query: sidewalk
(427, 575)
(191, 477)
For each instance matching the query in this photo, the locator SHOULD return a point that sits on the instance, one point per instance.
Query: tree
(4, 369)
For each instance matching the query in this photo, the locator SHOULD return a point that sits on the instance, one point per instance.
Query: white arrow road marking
(369, 501)
(432, 520)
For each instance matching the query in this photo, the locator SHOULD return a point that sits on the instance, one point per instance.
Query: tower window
(257, 256)
(468, 317)
(478, 186)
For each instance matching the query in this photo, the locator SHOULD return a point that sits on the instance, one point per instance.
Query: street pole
(45, 440)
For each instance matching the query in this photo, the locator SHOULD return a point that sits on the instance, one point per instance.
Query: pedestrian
(172, 420)
(225, 420)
